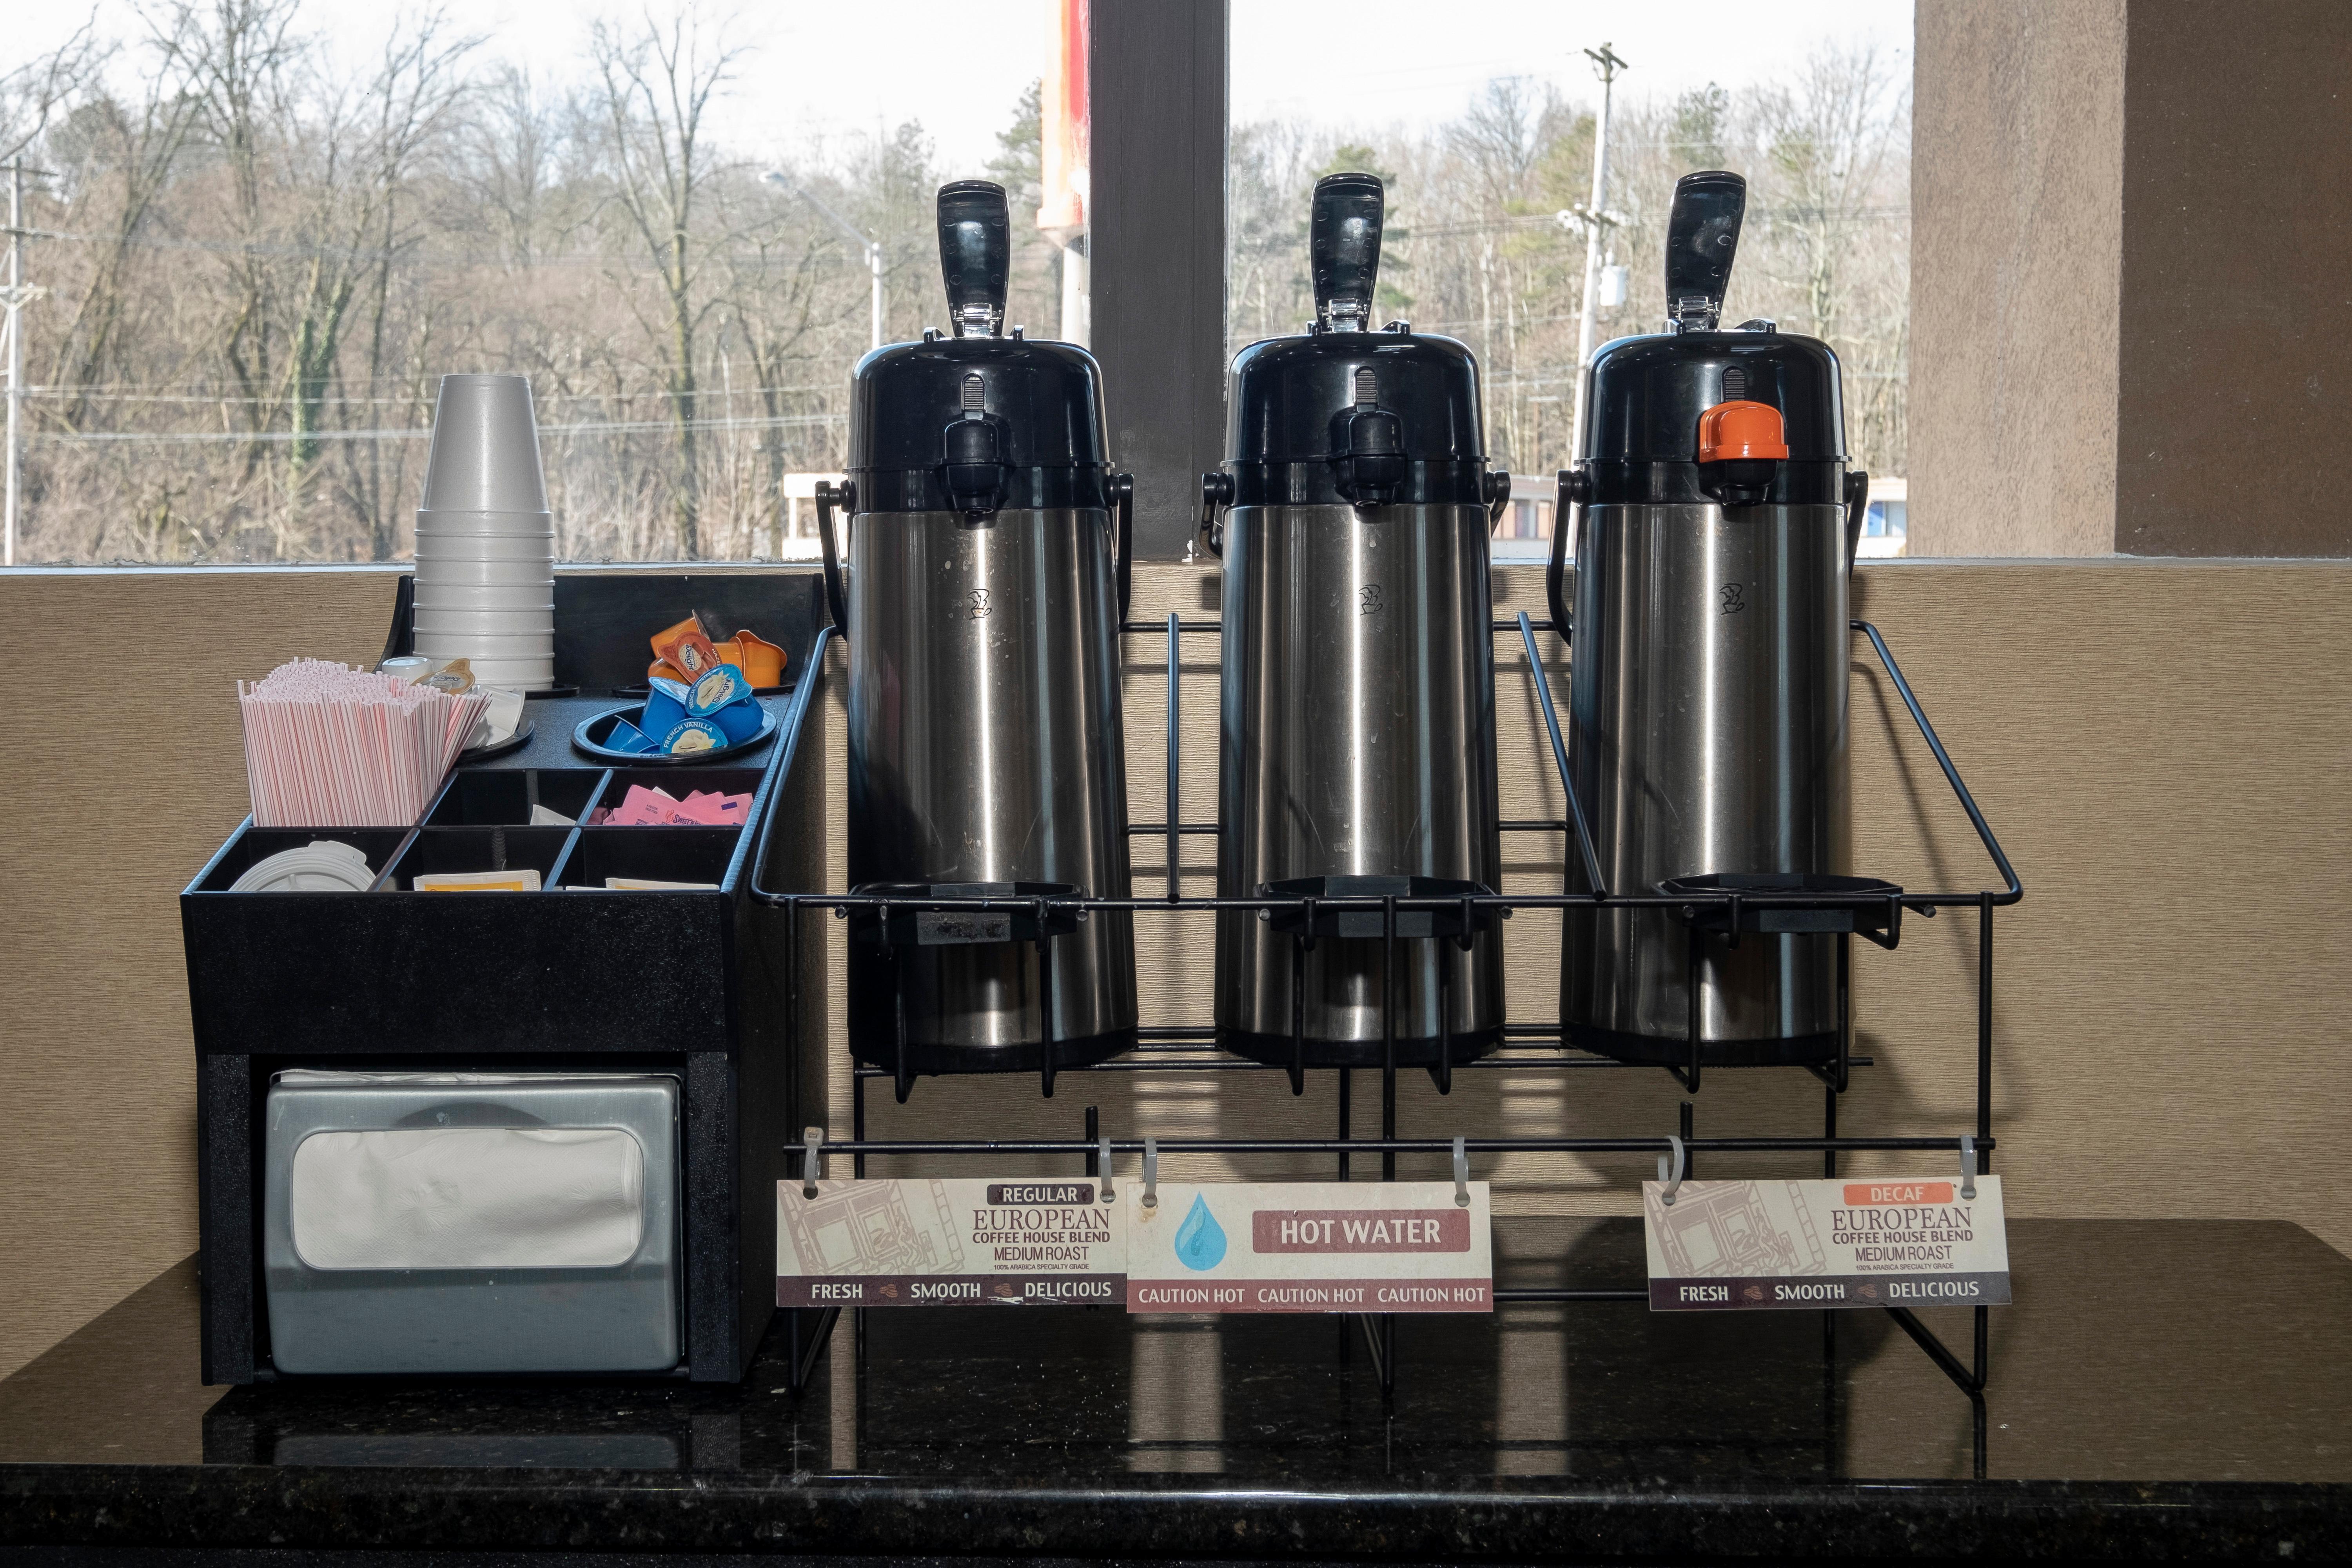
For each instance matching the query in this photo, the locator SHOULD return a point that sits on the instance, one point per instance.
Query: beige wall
(2017, 170)
(2158, 744)
(106, 809)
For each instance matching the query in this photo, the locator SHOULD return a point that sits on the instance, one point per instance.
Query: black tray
(1875, 905)
(514, 743)
(588, 738)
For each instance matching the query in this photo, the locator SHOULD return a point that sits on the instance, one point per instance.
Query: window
(263, 233)
(1484, 124)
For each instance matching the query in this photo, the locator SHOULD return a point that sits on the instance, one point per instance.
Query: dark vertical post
(229, 1310)
(1388, 1035)
(1175, 755)
(713, 1353)
(1346, 1093)
(1157, 251)
(1984, 1029)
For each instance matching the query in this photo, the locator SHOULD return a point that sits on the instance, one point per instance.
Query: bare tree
(512, 147)
(409, 105)
(1836, 160)
(120, 158)
(656, 84)
(236, 56)
(32, 94)
(773, 297)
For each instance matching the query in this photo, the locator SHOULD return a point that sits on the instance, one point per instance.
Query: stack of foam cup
(484, 539)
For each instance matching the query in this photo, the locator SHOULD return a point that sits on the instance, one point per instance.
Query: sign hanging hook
(811, 1159)
(1681, 1162)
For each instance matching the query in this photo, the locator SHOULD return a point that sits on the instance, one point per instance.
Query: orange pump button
(1729, 431)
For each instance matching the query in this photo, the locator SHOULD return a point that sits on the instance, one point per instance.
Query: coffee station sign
(1298, 1246)
(1310, 1246)
(923, 1243)
(1749, 1246)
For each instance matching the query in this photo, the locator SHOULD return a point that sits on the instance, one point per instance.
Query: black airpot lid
(976, 421)
(1346, 411)
(1646, 394)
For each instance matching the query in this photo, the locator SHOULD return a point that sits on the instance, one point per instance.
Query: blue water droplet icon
(1200, 1241)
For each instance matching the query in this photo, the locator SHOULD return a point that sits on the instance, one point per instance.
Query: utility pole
(873, 248)
(1596, 222)
(14, 297)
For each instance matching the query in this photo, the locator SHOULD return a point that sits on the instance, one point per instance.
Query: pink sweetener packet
(647, 807)
(713, 809)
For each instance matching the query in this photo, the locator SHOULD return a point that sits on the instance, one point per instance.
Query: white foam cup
(486, 596)
(434, 572)
(485, 455)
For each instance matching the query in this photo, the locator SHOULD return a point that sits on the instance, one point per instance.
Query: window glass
(1483, 123)
(261, 233)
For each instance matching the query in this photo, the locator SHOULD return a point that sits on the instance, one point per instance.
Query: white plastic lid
(321, 866)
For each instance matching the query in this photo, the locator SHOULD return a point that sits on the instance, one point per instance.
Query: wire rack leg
(803, 1355)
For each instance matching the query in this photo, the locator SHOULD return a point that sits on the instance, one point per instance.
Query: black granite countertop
(2177, 1389)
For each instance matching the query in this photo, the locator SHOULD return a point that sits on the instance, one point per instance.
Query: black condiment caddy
(692, 982)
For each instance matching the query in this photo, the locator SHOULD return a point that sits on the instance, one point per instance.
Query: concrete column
(1157, 253)
(2131, 225)
(2017, 163)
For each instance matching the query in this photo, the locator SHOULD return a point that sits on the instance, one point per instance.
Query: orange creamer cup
(685, 645)
(762, 662)
(662, 669)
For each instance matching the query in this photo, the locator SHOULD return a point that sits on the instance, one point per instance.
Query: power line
(107, 392)
(598, 428)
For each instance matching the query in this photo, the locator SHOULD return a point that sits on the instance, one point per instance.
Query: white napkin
(469, 1197)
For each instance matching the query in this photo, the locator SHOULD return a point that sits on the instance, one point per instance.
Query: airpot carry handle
(975, 254)
(1344, 244)
(1702, 235)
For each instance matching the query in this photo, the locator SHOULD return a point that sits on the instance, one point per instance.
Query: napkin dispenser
(447, 1221)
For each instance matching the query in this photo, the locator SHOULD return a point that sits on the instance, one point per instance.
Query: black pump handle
(1702, 237)
(1216, 490)
(975, 254)
(1343, 241)
(1857, 511)
(1122, 494)
(1575, 493)
(828, 495)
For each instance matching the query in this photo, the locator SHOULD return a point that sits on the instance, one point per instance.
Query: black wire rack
(1877, 916)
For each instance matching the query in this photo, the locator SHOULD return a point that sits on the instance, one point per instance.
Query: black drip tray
(1863, 903)
(1361, 924)
(961, 928)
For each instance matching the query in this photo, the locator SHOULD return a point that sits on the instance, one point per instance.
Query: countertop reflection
(2213, 1354)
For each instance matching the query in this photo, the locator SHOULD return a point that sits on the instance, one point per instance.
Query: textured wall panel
(2160, 745)
(110, 802)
